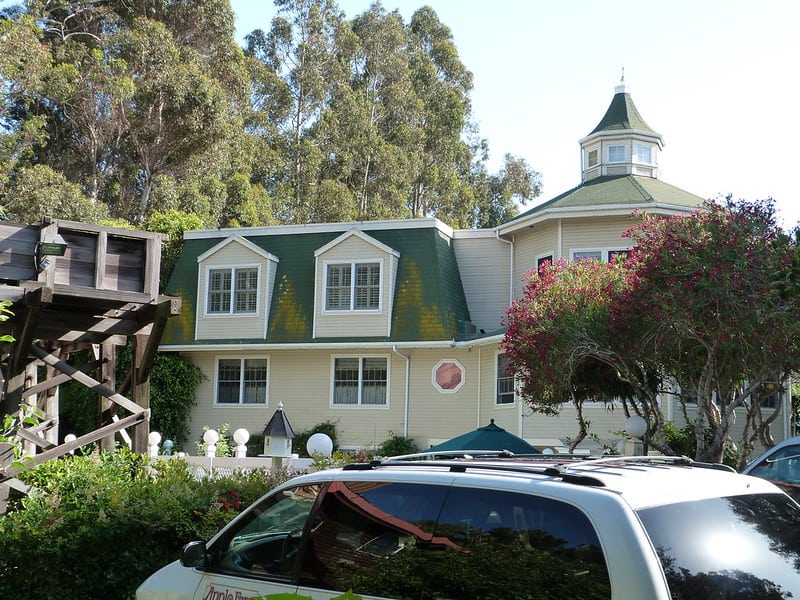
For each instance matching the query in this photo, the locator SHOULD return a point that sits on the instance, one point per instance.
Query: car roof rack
(551, 465)
(459, 461)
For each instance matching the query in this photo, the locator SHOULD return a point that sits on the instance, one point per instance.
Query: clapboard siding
(485, 267)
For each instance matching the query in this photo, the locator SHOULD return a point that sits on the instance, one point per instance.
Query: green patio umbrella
(490, 437)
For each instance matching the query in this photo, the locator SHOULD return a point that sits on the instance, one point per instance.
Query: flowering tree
(703, 288)
(560, 344)
(696, 303)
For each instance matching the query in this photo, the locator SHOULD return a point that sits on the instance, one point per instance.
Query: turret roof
(622, 115)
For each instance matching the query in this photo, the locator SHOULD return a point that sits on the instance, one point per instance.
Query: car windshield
(734, 548)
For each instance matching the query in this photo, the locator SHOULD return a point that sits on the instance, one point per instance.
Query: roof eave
(611, 210)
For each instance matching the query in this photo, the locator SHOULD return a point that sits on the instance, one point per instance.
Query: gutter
(407, 385)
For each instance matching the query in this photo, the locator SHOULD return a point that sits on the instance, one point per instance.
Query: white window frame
(242, 381)
(435, 382)
(501, 378)
(592, 152)
(602, 253)
(361, 381)
(353, 286)
(615, 147)
(233, 292)
(643, 147)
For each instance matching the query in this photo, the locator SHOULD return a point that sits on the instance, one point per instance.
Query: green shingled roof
(622, 114)
(620, 190)
(429, 301)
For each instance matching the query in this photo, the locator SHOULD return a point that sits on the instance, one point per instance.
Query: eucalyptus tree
(299, 52)
(442, 83)
(133, 92)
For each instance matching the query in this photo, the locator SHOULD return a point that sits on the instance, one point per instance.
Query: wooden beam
(63, 449)
(27, 320)
(34, 439)
(59, 379)
(163, 312)
(83, 378)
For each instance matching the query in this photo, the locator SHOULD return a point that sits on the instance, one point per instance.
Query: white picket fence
(225, 466)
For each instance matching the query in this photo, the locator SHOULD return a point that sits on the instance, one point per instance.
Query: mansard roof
(429, 300)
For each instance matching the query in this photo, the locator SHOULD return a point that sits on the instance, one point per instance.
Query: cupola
(622, 143)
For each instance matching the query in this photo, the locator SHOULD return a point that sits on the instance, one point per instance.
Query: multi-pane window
(232, 291)
(644, 154)
(242, 381)
(360, 381)
(580, 255)
(600, 255)
(353, 286)
(616, 154)
(505, 381)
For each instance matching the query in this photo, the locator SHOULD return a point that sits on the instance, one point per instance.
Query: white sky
(717, 78)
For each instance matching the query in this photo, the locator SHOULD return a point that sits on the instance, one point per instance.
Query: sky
(718, 79)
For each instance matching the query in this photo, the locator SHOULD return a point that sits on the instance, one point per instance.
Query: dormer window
(592, 158)
(353, 286)
(232, 291)
(644, 154)
(616, 154)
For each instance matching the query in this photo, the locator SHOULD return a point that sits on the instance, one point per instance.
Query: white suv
(641, 528)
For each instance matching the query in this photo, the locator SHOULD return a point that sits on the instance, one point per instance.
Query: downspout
(480, 365)
(406, 394)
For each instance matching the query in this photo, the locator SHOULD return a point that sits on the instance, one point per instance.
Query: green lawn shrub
(98, 525)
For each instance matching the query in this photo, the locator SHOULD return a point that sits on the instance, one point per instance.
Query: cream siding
(594, 234)
(531, 245)
(232, 326)
(339, 324)
(485, 266)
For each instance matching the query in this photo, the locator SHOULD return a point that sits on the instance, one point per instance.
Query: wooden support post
(107, 355)
(140, 391)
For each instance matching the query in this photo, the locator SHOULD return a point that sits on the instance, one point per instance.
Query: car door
(782, 467)
(258, 554)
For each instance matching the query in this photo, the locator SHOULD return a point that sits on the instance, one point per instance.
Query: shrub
(111, 520)
(397, 445)
(300, 440)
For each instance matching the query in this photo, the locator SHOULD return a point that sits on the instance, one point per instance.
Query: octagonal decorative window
(448, 376)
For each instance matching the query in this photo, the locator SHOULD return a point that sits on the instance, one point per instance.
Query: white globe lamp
(320, 443)
(636, 426)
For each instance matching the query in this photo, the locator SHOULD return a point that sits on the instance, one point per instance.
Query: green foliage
(39, 191)
(173, 223)
(396, 445)
(119, 503)
(708, 316)
(173, 382)
(5, 314)
(225, 444)
(301, 439)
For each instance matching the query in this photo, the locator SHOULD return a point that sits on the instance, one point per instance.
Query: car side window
(369, 537)
(543, 547)
(266, 542)
(782, 465)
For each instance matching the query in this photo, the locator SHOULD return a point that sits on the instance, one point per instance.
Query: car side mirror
(194, 555)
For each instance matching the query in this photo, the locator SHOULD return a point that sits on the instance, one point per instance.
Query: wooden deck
(102, 293)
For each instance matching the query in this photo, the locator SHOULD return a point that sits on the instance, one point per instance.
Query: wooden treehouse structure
(74, 286)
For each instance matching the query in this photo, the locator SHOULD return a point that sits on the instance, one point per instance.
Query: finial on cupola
(620, 89)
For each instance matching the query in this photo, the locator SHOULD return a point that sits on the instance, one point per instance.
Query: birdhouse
(278, 435)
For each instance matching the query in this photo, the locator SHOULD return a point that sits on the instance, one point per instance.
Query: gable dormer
(235, 280)
(354, 287)
(622, 143)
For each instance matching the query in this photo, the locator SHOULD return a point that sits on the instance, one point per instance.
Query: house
(394, 327)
